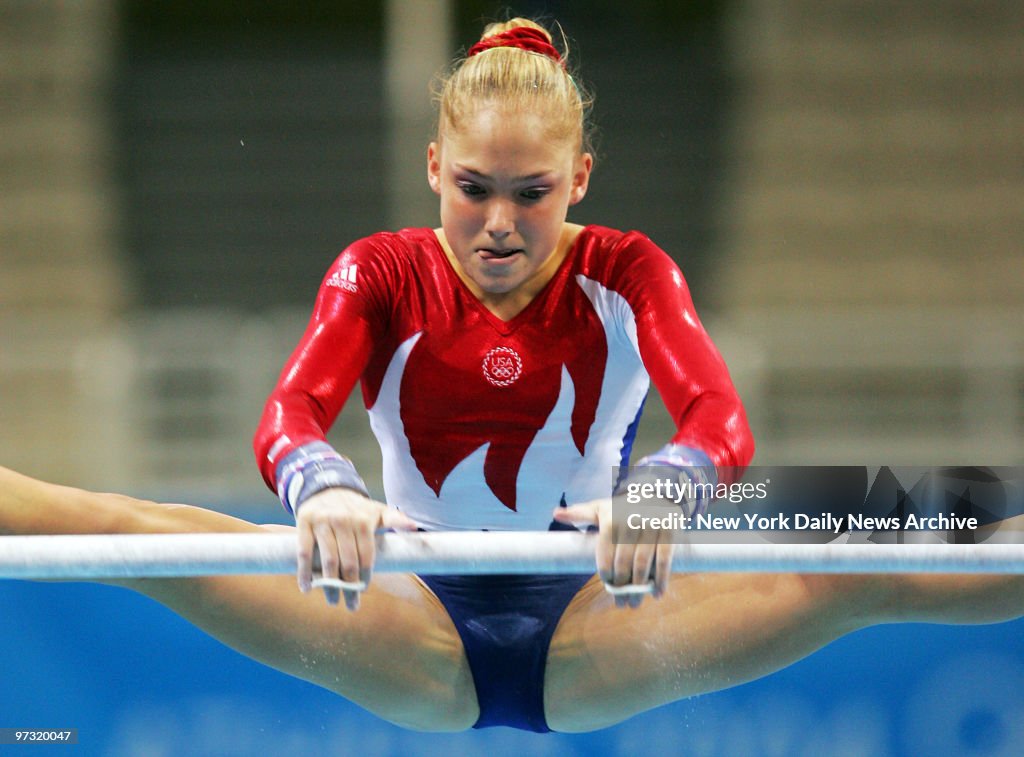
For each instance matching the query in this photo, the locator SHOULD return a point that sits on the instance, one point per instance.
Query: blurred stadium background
(842, 181)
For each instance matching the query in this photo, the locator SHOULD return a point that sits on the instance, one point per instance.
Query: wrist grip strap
(688, 467)
(310, 469)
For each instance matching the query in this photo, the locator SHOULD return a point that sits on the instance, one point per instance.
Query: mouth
(494, 253)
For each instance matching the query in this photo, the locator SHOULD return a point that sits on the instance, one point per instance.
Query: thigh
(399, 655)
(708, 632)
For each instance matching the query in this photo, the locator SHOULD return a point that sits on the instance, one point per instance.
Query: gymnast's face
(505, 189)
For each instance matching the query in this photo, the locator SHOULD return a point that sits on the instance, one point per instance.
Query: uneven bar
(468, 552)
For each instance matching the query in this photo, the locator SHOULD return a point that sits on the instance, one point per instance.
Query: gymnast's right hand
(342, 523)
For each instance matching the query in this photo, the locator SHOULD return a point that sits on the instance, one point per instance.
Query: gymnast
(504, 358)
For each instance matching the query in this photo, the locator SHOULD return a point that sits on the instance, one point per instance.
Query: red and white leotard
(488, 424)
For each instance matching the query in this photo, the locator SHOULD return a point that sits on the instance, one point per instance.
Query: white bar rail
(164, 555)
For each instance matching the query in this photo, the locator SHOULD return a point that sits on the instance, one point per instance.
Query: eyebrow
(530, 177)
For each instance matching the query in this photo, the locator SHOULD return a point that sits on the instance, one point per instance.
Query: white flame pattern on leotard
(552, 465)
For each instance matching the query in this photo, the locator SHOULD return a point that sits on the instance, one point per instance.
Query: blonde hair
(516, 79)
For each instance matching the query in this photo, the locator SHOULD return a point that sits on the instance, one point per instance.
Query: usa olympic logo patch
(502, 366)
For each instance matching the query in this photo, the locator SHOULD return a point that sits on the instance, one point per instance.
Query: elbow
(266, 440)
(737, 448)
(742, 441)
(748, 445)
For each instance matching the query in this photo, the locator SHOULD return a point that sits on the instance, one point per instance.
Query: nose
(500, 219)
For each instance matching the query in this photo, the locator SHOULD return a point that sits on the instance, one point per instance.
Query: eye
(469, 188)
(533, 194)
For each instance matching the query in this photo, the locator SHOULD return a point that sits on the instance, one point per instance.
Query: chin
(498, 287)
(499, 284)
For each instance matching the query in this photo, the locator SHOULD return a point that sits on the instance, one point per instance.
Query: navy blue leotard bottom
(506, 623)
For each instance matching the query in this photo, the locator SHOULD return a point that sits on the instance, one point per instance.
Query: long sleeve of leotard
(350, 311)
(683, 362)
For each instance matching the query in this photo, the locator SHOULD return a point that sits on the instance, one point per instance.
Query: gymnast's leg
(713, 631)
(399, 656)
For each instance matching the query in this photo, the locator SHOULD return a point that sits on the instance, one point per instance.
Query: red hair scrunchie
(523, 37)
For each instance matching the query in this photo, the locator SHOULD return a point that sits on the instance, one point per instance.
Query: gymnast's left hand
(624, 555)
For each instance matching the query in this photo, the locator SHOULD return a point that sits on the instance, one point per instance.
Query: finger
(577, 515)
(351, 599)
(304, 556)
(643, 564)
(348, 552)
(606, 554)
(623, 572)
(625, 545)
(366, 548)
(625, 554)
(399, 521)
(330, 561)
(332, 595)
(663, 566)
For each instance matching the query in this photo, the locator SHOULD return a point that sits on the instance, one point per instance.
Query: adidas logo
(345, 278)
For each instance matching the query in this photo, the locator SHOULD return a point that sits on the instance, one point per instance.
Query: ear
(434, 166)
(581, 177)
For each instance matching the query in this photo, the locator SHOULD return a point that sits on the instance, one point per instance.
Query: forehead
(495, 139)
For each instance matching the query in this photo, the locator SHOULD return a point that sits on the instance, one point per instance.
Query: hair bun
(523, 37)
